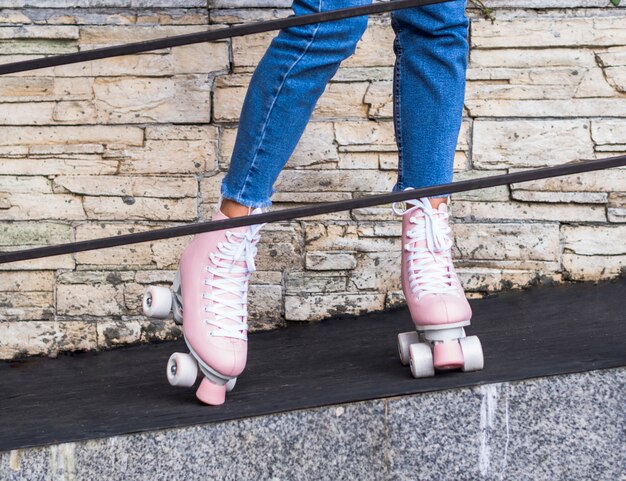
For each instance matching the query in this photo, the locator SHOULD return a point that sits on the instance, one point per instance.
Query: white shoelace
(239, 246)
(428, 272)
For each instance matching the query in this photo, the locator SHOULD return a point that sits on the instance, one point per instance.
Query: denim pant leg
(282, 94)
(429, 87)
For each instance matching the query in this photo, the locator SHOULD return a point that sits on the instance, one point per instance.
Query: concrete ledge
(555, 428)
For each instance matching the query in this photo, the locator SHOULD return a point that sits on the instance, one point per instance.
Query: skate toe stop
(448, 355)
(210, 393)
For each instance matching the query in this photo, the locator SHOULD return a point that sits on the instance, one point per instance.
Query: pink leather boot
(210, 294)
(434, 295)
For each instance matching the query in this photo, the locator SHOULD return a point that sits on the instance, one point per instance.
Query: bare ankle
(435, 201)
(230, 208)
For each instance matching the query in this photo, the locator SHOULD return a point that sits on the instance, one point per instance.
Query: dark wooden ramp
(538, 332)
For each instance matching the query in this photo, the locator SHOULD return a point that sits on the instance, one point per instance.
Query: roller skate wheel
(230, 385)
(405, 340)
(473, 359)
(157, 302)
(421, 359)
(182, 370)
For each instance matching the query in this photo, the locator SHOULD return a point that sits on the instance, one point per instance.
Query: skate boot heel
(447, 355)
(210, 393)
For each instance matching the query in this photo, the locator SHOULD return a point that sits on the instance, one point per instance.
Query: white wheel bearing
(182, 370)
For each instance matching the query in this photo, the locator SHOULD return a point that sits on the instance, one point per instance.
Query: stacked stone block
(142, 142)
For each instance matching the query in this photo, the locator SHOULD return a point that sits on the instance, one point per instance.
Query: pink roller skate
(434, 295)
(212, 285)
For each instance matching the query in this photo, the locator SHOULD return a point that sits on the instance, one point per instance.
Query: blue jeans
(428, 91)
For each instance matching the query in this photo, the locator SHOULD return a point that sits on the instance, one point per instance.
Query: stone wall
(141, 142)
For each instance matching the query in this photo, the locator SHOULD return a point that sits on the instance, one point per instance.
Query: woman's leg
(282, 95)
(429, 86)
(215, 268)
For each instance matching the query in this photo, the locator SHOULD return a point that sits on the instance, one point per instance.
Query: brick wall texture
(142, 142)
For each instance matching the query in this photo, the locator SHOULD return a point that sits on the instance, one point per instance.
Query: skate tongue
(412, 204)
(435, 235)
(245, 253)
(424, 202)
